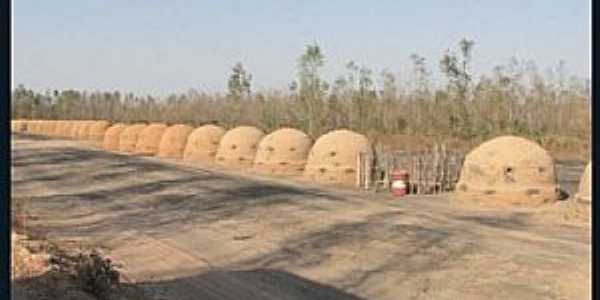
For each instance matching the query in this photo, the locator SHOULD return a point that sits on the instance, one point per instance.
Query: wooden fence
(430, 172)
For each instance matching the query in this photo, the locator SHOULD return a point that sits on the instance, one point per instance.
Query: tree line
(513, 98)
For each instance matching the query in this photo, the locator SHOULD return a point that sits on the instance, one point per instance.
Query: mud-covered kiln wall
(173, 141)
(97, 131)
(511, 168)
(203, 143)
(129, 137)
(238, 146)
(283, 151)
(111, 137)
(333, 157)
(149, 139)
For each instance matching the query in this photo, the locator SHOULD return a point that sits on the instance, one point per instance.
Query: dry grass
(513, 99)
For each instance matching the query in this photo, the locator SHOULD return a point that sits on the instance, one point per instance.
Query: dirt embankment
(41, 269)
(44, 270)
(36, 274)
(25, 263)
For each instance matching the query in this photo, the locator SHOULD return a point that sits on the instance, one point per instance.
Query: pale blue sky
(152, 46)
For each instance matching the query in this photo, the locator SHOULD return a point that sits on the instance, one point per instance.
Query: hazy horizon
(176, 46)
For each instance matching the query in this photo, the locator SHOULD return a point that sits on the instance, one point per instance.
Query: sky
(161, 47)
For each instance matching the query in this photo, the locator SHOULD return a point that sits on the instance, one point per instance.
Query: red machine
(399, 183)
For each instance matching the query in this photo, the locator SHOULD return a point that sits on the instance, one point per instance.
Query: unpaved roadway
(181, 231)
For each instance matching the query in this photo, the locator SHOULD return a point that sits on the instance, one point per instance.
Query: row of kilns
(508, 168)
(330, 159)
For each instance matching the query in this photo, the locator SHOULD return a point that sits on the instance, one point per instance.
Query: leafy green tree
(456, 69)
(420, 93)
(363, 95)
(67, 101)
(239, 89)
(239, 83)
(311, 88)
(421, 76)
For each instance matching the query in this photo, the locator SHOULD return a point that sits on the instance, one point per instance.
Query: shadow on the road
(267, 284)
(248, 284)
(161, 204)
(516, 220)
(378, 247)
(125, 193)
(32, 137)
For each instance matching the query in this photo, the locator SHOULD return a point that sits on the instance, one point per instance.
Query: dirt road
(189, 232)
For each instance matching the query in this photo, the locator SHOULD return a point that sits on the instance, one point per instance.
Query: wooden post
(386, 172)
(455, 166)
(420, 172)
(450, 171)
(412, 174)
(444, 163)
(436, 168)
(431, 173)
(358, 169)
(422, 160)
(367, 171)
(415, 172)
(426, 160)
(456, 172)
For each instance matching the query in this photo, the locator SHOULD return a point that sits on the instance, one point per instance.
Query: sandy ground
(181, 231)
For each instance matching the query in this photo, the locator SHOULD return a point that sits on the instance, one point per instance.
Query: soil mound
(174, 140)
(111, 137)
(509, 169)
(283, 151)
(74, 129)
(84, 130)
(129, 137)
(238, 146)
(19, 125)
(32, 127)
(49, 127)
(65, 131)
(97, 130)
(202, 143)
(58, 129)
(149, 139)
(333, 157)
